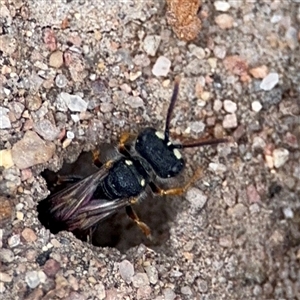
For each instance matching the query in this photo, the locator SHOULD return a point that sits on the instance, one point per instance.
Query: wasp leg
(124, 139)
(67, 179)
(133, 216)
(96, 158)
(179, 190)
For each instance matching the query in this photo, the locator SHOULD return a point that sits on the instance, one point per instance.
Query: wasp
(143, 160)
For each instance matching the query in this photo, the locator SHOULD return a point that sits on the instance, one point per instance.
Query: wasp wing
(74, 207)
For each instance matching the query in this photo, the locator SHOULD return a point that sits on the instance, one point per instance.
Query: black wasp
(142, 160)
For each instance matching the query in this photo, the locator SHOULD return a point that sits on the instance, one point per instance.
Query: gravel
(75, 74)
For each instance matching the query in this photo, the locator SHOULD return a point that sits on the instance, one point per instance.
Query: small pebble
(61, 81)
(46, 129)
(230, 106)
(217, 167)
(161, 67)
(220, 52)
(14, 241)
(230, 121)
(288, 213)
(32, 279)
(259, 72)
(218, 105)
(144, 292)
(151, 44)
(197, 51)
(169, 294)
(6, 158)
(140, 280)
(70, 135)
(237, 211)
(269, 82)
(126, 270)
(291, 38)
(196, 197)
(4, 277)
(256, 106)
(186, 290)
(152, 274)
(202, 285)
(221, 6)
(56, 59)
(31, 150)
(224, 21)
(6, 255)
(74, 102)
(134, 101)
(51, 267)
(197, 126)
(4, 119)
(225, 241)
(29, 235)
(253, 196)
(280, 157)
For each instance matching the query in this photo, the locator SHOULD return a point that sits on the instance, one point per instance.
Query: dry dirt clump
(182, 16)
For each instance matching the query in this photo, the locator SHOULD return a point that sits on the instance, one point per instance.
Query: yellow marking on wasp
(128, 162)
(177, 153)
(160, 135)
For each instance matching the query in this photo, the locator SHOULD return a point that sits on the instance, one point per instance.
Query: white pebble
(280, 157)
(256, 106)
(75, 118)
(230, 106)
(151, 44)
(288, 213)
(230, 121)
(269, 81)
(70, 135)
(221, 5)
(4, 119)
(196, 197)
(161, 66)
(74, 102)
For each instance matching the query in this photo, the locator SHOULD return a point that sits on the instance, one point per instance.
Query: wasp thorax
(165, 160)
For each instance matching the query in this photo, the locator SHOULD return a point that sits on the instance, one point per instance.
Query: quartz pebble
(269, 82)
(221, 6)
(161, 67)
(196, 197)
(280, 157)
(151, 44)
(230, 121)
(224, 21)
(140, 280)
(229, 106)
(126, 270)
(6, 255)
(73, 102)
(61, 80)
(256, 106)
(288, 213)
(32, 279)
(4, 119)
(46, 130)
(134, 102)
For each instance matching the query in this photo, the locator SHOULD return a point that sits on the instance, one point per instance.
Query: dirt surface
(75, 74)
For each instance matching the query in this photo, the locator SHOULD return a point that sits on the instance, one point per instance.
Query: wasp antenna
(171, 107)
(200, 143)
